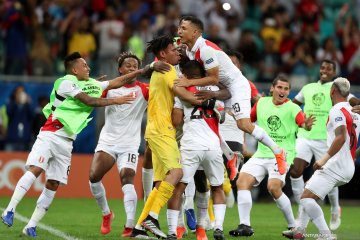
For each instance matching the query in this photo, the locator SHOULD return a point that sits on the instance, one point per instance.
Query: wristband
(152, 65)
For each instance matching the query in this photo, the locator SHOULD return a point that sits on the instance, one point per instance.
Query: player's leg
(251, 174)
(127, 164)
(147, 172)
(102, 162)
(189, 204)
(173, 209)
(36, 163)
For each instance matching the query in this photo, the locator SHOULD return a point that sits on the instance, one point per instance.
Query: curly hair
(126, 55)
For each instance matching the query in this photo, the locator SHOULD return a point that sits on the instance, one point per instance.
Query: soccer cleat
(126, 232)
(200, 234)
(219, 234)
(181, 232)
(30, 232)
(190, 218)
(106, 223)
(233, 164)
(294, 233)
(140, 234)
(8, 219)
(171, 236)
(220, 113)
(335, 220)
(281, 162)
(242, 230)
(151, 224)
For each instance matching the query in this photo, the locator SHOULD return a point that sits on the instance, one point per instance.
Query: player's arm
(186, 96)
(340, 137)
(124, 79)
(102, 102)
(221, 94)
(177, 117)
(353, 100)
(299, 98)
(158, 66)
(305, 122)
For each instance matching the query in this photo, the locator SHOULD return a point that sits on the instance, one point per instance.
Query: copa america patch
(210, 60)
(338, 119)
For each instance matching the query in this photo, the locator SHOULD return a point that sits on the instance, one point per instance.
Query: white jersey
(341, 165)
(197, 133)
(123, 122)
(210, 55)
(229, 130)
(67, 89)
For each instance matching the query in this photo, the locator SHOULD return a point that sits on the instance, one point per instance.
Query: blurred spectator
(354, 68)
(213, 35)
(270, 62)
(110, 31)
(331, 52)
(39, 117)
(231, 34)
(146, 33)
(3, 125)
(40, 56)
(351, 39)
(20, 116)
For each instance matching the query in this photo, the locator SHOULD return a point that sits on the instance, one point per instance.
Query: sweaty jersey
(123, 122)
(210, 55)
(160, 105)
(342, 165)
(199, 132)
(66, 89)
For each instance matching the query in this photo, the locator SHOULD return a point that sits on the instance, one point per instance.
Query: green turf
(81, 218)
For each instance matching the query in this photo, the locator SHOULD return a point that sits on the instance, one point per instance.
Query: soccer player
(200, 147)
(72, 99)
(119, 143)
(219, 68)
(317, 101)
(336, 166)
(281, 119)
(160, 134)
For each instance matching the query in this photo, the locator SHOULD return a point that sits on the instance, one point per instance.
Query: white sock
(202, 203)
(22, 186)
(172, 219)
(42, 205)
(334, 200)
(303, 218)
(284, 204)
(98, 191)
(229, 154)
(147, 181)
(130, 201)
(219, 213)
(315, 213)
(260, 135)
(297, 185)
(244, 206)
(189, 195)
(181, 220)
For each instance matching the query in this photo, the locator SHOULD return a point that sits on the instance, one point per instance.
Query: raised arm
(102, 102)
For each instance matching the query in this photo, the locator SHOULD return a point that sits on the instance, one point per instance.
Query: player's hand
(309, 122)
(356, 109)
(204, 95)
(182, 82)
(126, 99)
(102, 78)
(161, 67)
(321, 162)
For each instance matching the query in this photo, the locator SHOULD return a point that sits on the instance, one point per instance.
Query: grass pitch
(81, 219)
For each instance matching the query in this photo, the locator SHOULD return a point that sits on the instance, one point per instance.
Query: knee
(52, 185)
(296, 171)
(274, 190)
(127, 176)
(216, 190)
(245, 125)
(94, 177)
(245, 182)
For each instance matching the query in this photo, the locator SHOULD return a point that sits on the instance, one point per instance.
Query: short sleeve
(103, 84)
(300, 96)
(68, 88)
(337, 118)
(209, 58)
(178, 104)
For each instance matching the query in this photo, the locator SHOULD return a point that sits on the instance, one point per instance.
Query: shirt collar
(196, 45)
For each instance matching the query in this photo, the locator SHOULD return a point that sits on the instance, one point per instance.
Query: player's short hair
(192, 69)
(70, 59)
(329, 62)
(342, 85)
(194, 20)
(236, 54)
(158, 44)
(281, 77)
(126, 55)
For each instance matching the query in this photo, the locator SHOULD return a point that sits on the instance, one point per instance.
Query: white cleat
(335, 220)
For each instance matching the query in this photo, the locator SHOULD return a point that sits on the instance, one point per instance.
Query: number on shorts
(236, 107)
(132, 158)
(68, 170)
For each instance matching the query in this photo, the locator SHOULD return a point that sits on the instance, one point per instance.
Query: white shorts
(210, 161)
(53, 154)
(124, 157)
(307, 148)
(322, 182)
(239, 103)
(260, 167)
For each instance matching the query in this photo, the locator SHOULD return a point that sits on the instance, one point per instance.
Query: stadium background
(274, 36)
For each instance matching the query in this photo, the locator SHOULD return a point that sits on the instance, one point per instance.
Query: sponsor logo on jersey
(338, 119)
(210, 60)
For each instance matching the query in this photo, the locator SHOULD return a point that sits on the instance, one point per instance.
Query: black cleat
(219, 234)
(171, 236)
(151, 224)
(140, 234)
(242, 230)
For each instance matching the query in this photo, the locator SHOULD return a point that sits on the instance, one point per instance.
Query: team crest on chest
(274, 123)
(318, 99)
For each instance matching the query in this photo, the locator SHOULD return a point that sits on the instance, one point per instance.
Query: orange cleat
(181, 232)
(126, 232)
(201, 234)
(233, 164)
(106, 223)
(281, 162)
